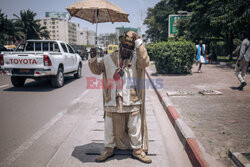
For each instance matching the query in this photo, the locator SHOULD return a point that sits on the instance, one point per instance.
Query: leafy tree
(182, 25)
(42, 32)
(157, 18)
(219, 19)
(8, 30)
(212, 20)
(157, 21)
(29, 26)
(3, 26)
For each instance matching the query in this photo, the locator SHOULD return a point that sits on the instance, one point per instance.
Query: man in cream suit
(124, 97)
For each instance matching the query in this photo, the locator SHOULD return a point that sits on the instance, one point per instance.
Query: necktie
(119, 71)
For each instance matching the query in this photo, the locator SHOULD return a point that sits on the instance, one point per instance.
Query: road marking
(4, 86)
(16, 153)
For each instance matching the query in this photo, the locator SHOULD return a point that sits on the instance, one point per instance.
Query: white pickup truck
(41, 58)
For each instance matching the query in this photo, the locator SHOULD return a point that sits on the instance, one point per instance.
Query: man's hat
(127, 40)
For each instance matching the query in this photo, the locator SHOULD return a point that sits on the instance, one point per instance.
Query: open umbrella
(97, 11)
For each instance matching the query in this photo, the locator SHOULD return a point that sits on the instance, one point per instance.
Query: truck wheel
(79, 72)
(18, 81)
(57, 81)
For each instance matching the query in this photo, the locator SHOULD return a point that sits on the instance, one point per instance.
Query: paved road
(23, 111)
(41, 126)
(77, 138)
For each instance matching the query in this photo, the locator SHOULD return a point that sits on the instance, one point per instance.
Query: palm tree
(29, 26)
(42, 32)
(9, 32)
(14, 32)
(3, 20)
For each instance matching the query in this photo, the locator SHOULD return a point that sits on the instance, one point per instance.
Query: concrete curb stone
(227, 64)
(238, 159)
(183, 131)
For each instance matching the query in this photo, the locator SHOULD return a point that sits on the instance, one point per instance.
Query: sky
(137, 10)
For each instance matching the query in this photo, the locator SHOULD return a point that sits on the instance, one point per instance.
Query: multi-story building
(58, 28)
(81, 35)
(91, 37)
(61, 29)
(72, 33)
(105, 39)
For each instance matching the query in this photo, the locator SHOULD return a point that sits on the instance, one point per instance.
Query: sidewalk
(220, 122)
(77, 139)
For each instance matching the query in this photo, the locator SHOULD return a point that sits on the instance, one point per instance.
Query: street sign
(172, 24)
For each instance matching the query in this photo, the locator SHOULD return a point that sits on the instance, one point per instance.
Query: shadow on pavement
(224, 67)
(234, 88)
(170, 75)
(88, 152)
(39, 86)
(227, 68)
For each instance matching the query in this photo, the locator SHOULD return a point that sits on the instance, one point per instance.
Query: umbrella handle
(97, 14)
(96, 34)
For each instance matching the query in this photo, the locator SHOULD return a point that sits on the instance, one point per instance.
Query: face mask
(126, 53)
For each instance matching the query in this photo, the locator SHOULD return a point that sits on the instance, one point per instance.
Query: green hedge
(149, 48)
(173, 57)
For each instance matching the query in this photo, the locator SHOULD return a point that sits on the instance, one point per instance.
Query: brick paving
(220, 122)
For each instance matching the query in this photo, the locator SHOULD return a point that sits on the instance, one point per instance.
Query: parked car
(41, 58)
(112, 48)
(2, 48)
(83, 54)
(10, 47)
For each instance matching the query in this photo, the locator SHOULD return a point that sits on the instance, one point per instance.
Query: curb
(238, 159)
(230, 65)
(227, 64)
(184, 133)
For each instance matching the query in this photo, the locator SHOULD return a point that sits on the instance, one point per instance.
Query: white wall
(81, 35)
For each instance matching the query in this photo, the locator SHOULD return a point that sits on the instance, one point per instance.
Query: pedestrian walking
(124, 97)
(243, 60)
(200, 55)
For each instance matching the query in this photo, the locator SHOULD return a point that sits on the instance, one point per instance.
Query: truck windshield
(39, 46)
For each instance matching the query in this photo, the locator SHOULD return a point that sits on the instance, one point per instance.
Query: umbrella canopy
(98, 11)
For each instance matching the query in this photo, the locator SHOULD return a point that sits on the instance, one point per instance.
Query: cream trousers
(241, 70)
(134, 131)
